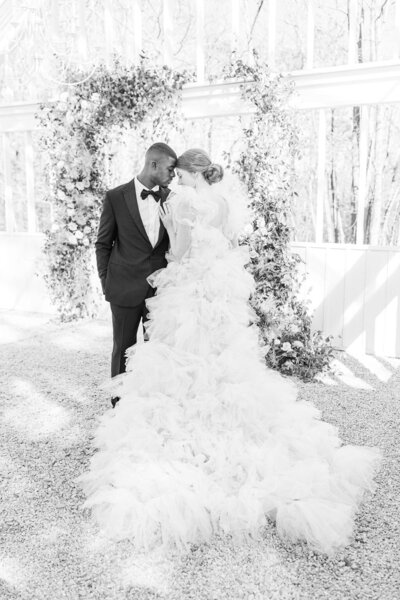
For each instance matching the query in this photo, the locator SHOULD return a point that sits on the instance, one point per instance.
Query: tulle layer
(205, 439)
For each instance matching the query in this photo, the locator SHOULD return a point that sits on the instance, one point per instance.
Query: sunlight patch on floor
(15, 326)
(32, 413)
(11, 572)
(374, 365)
(325, 378)
(393, 362)
(149, 572)
(346, 376)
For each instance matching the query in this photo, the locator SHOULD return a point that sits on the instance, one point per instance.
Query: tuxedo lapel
(132, 204)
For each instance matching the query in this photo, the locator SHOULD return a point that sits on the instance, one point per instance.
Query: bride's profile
(205, 438)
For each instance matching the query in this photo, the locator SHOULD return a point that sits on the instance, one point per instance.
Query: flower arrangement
(78, 134)
(265, 165)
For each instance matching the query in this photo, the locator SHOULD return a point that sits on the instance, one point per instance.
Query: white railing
(320, 89)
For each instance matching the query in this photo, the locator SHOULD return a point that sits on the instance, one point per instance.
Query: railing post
(271, 33)
(235, 25)
(30, 181)
(396, 53)
(8, 196)
(108, 32)
(200, 62)
(82, 28)
(310, 34)
(321, 179)
(137, 29)
(362, 178)
(167, 23)
(352, 41)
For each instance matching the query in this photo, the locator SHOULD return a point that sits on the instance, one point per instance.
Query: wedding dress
(205, 438)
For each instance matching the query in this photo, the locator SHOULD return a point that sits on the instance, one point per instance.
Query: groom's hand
(103, 285)
(166, 215)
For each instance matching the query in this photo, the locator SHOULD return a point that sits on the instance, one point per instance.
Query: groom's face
(164, 170)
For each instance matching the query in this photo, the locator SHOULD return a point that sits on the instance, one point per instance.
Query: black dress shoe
(114, 401)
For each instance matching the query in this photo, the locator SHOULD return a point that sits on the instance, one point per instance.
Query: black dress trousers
(125, 322)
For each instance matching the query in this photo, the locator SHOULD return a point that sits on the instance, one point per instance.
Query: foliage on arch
(266, 165)
(79, 132)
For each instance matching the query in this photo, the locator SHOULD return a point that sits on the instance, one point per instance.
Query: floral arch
(79, 135)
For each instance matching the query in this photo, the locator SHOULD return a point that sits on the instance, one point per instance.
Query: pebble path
(50, 549)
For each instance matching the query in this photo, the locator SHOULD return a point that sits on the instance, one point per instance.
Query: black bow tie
(156, 195)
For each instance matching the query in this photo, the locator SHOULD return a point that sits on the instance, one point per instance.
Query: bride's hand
(166, 215)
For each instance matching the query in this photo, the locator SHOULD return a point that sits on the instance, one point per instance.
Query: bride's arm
(179, 232)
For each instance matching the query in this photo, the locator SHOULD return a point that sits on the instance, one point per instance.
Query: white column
(30, 181)
(167, 23)
(235, 25)
(396, 49)
(137, 29)
(200, 61)
(82, 28)
(271, 33)
(321, 178)
(108, 32)
(362, 177)
(352, 43)
(310, 34)
(54, 19)
(8, 196)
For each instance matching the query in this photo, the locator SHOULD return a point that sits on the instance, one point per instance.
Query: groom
(131, 244)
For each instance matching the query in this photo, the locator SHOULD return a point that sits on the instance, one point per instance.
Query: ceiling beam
(352, 85)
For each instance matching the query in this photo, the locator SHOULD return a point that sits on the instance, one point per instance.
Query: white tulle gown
(205, 438)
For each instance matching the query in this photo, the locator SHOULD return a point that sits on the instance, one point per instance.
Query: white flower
(86, 242)
(72, 226)
(86, 229)
(277, 341)
(71, 239)
(253, 254)
(248, 229)
(286, 347)
(298, 344)
(268, 305)
(78, 235)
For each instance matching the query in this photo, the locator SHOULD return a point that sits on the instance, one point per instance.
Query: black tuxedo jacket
(124, 254)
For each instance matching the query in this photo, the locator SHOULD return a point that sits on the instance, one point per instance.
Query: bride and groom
(205, 438)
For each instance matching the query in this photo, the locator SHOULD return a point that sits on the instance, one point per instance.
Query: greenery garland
(77, 133)
(265, 165)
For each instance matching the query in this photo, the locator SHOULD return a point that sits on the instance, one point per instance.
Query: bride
(205, 438)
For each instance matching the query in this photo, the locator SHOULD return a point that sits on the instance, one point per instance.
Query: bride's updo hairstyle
(198, 161)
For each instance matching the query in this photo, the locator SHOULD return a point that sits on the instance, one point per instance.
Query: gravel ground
(51, 550)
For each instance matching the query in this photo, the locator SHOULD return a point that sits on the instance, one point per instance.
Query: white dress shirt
(149, 214)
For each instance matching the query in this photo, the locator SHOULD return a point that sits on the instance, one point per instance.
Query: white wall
(22, 285)
(354, 290)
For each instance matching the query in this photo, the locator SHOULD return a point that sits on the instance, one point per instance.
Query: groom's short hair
(159, 148)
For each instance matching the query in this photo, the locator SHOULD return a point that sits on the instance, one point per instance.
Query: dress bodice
(207, 214)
